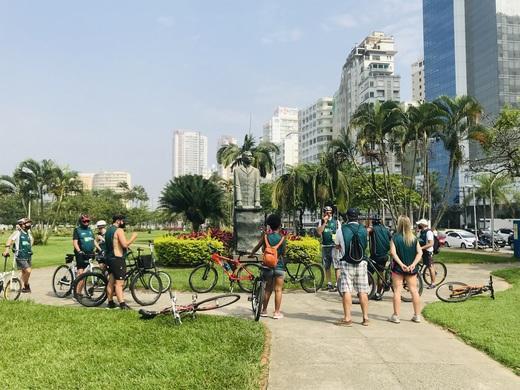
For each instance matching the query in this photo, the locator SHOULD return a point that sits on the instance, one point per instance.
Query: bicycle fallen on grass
(459, 292)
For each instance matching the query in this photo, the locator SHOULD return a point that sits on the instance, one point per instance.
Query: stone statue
(247, 184)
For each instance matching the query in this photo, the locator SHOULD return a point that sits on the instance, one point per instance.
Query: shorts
(326, 256)
(379, 264)
(82, 260)
(23, 263)
(396, 269)
(427, 258)
(117, 267)
(353, 278)
(270, 274)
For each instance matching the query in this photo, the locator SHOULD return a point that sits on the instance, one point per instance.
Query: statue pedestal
(247, 229)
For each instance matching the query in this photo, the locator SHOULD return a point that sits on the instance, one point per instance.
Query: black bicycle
(258, 293)
(310, 275)
(439, 268)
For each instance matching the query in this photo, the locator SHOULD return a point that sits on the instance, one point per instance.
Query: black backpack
(354, 252)
(436, 245)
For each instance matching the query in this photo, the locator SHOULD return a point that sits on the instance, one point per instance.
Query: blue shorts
(23, 263)
(269, 274)
(326, 256)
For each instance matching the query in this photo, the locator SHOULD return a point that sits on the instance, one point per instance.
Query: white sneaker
(416, 318)
(394, 318)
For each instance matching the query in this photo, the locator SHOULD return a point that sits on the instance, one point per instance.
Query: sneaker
(111, 305)
(26, 289)
(278, 316)
(331, 288)
(416, 318)
(394, 318)
(263, 314)
(431, 286)
(124, 306)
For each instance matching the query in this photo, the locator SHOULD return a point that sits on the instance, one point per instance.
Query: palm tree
(15, 185)
(65, 182)
(500, 190)
(231, 155)
(198, 199)
(330, 184)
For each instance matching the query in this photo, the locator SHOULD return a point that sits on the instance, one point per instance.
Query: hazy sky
(101, 85)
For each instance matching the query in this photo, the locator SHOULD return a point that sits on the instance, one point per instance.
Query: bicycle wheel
(166, 281)
(62, 281)
(257, 298)
(12, 289)
(371, 289)
(216, 302)
(246, 275)
(146, 287)
(203, 278)
(93, 291)
(312, 278)
(453, 292)
(406, 295)
(440, 273)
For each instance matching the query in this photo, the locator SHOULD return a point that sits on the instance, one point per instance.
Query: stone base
(247, 229)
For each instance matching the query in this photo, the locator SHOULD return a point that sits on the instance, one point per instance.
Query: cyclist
(116, 246)
(23, 241)
(84, 245)
(100, 239)
(426, 239)
(327, 230)
(379, 239)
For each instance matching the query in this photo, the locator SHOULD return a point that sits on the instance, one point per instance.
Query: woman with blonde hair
(406, 254)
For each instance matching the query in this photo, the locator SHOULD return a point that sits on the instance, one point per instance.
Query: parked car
(504, 233)
(498, 240)
(510, 241)
(459, 239)
(442, 239)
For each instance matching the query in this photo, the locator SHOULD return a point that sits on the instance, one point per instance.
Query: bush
(301, 248)
(179, 251)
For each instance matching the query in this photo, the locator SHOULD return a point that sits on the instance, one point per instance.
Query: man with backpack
(427, 241)
(352, 242)
(379, 238)
(327, 230)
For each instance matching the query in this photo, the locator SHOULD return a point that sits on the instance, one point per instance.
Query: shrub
(303, 248)
(180, 251)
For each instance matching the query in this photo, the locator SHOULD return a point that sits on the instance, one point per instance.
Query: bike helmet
(327, 209)
(100, 224)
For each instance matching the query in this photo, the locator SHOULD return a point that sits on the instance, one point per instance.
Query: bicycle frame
(296, 278)
(7, 276)
(218, 259)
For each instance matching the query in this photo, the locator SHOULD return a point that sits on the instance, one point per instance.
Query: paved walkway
(309, 352)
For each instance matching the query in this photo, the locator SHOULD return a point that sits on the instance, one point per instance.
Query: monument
(247, 212)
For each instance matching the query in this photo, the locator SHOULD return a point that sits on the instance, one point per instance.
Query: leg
(278, 287)
(397, 285)
(118, 284)
(411, 281)
(432, 273)
(81, 283)
(267, 294)
(110, 288)
(26, 274)
(363, 301)
(347, 306)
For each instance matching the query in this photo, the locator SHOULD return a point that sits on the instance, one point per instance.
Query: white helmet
(100, 224)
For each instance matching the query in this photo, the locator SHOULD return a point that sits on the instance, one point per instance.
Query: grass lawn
(492, 326)
(473, 257)
(56, 347)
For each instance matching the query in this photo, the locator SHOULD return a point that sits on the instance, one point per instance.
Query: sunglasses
(85, 220)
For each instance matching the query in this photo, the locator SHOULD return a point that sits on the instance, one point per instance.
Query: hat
(23, 221)
(352, 213)
(423, 222)
(100, 223)
(327, 208)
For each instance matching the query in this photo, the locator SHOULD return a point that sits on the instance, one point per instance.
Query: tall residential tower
(190, 153)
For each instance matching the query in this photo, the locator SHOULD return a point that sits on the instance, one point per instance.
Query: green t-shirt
(379, 241)
(405, 252)
(24, 250)
(85, 239)
(109, 241)
(274, 239)
(328, 231)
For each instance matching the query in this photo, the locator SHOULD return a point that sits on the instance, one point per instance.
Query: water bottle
(227, 267)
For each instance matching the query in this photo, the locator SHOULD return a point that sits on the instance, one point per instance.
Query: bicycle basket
(145, 262)
(69, 258)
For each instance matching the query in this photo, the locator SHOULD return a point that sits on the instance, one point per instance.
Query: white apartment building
(283, 122)
(367, 76)
(225, 140)
(86, 180)
(418, 94)
(110, 181)
(190, 153)
(315, 130)
(288, 154)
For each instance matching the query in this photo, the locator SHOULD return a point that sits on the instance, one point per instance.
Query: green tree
(194, 197)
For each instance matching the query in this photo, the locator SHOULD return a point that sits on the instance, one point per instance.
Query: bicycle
(204, 277)
(439, 268)
(149, 262)
(178, 311)
(257, 294)
(10, 285)
(310, 277)
(65, 275)
(459, 292)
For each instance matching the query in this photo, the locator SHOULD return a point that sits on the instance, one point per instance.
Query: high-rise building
(86, 180)
(367, 76)
(283, 122)
(315, 130)
(473, 48)
(111, 181)
(288, 154)
(225, 140)
(418, 81)
(190, 153)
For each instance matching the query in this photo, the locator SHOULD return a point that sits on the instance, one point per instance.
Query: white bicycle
(10, 285)
(65, 275)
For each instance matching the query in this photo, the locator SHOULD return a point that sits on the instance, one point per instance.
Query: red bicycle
(204, 277)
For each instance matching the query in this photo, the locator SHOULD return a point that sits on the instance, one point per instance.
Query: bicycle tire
(94, 291)
(216, 302)
(257, 298)
(62, 281)
(444, 292)
(440, 273)
(253, 270)
(312, 278)
(166, 281)
(203, 273)
(406, 296)
(146, 287)
(12, 289)
(371, 292)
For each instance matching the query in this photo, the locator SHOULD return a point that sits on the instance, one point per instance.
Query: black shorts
(379, 263)
(427, 258)
(117, 267)
(82, 260)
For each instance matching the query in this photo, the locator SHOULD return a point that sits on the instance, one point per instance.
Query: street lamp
(475, 214)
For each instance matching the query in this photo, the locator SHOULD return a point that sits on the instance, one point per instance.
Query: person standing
(116, 247)
(101, 227)
(327, 230)
(406, 254)
(353, 269)
(379, 238)
(426, 239)
(22, 240)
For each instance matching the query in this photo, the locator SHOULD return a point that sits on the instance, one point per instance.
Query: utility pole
(492, 209)
(475, 214)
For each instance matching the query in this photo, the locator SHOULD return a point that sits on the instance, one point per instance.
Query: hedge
(180, 251)
(303, 248)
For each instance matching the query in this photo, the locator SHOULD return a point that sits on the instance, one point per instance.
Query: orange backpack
(270, 256)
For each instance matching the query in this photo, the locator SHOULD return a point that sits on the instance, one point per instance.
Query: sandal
(343, 323)
(365, 322)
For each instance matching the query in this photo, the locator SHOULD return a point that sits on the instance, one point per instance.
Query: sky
(102, 85)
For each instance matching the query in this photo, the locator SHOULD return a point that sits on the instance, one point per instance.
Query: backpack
(270, 256)
(355, 251)
(436, 245)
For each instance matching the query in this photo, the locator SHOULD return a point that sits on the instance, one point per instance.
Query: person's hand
(326, 218)
(405, 268)
(134, 236)
(6, 253)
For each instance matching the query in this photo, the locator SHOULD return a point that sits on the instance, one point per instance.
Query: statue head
(247, 158)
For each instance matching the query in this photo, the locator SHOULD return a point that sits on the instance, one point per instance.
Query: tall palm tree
(15, 185)
(330, 183)
(231, 155)
(65, 182)
(196, 198)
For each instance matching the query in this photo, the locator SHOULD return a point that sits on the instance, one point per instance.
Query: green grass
(492, 326)
(473, 257)
(48, 347)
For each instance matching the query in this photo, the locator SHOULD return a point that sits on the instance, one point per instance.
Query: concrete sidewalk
(309, 352)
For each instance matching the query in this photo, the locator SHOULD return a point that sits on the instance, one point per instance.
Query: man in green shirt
(379, 237)
(22, 240)
(327, 231)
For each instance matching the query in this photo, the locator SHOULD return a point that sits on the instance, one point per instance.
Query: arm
(429, 240)
(75, 241)
(9, 243)
(238, 190)
(393, 253)
(418, 256)
(120, 234)
(323, 224)
(260, 243)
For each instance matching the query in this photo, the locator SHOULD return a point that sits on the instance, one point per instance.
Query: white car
(460, 239)
(504, 233)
